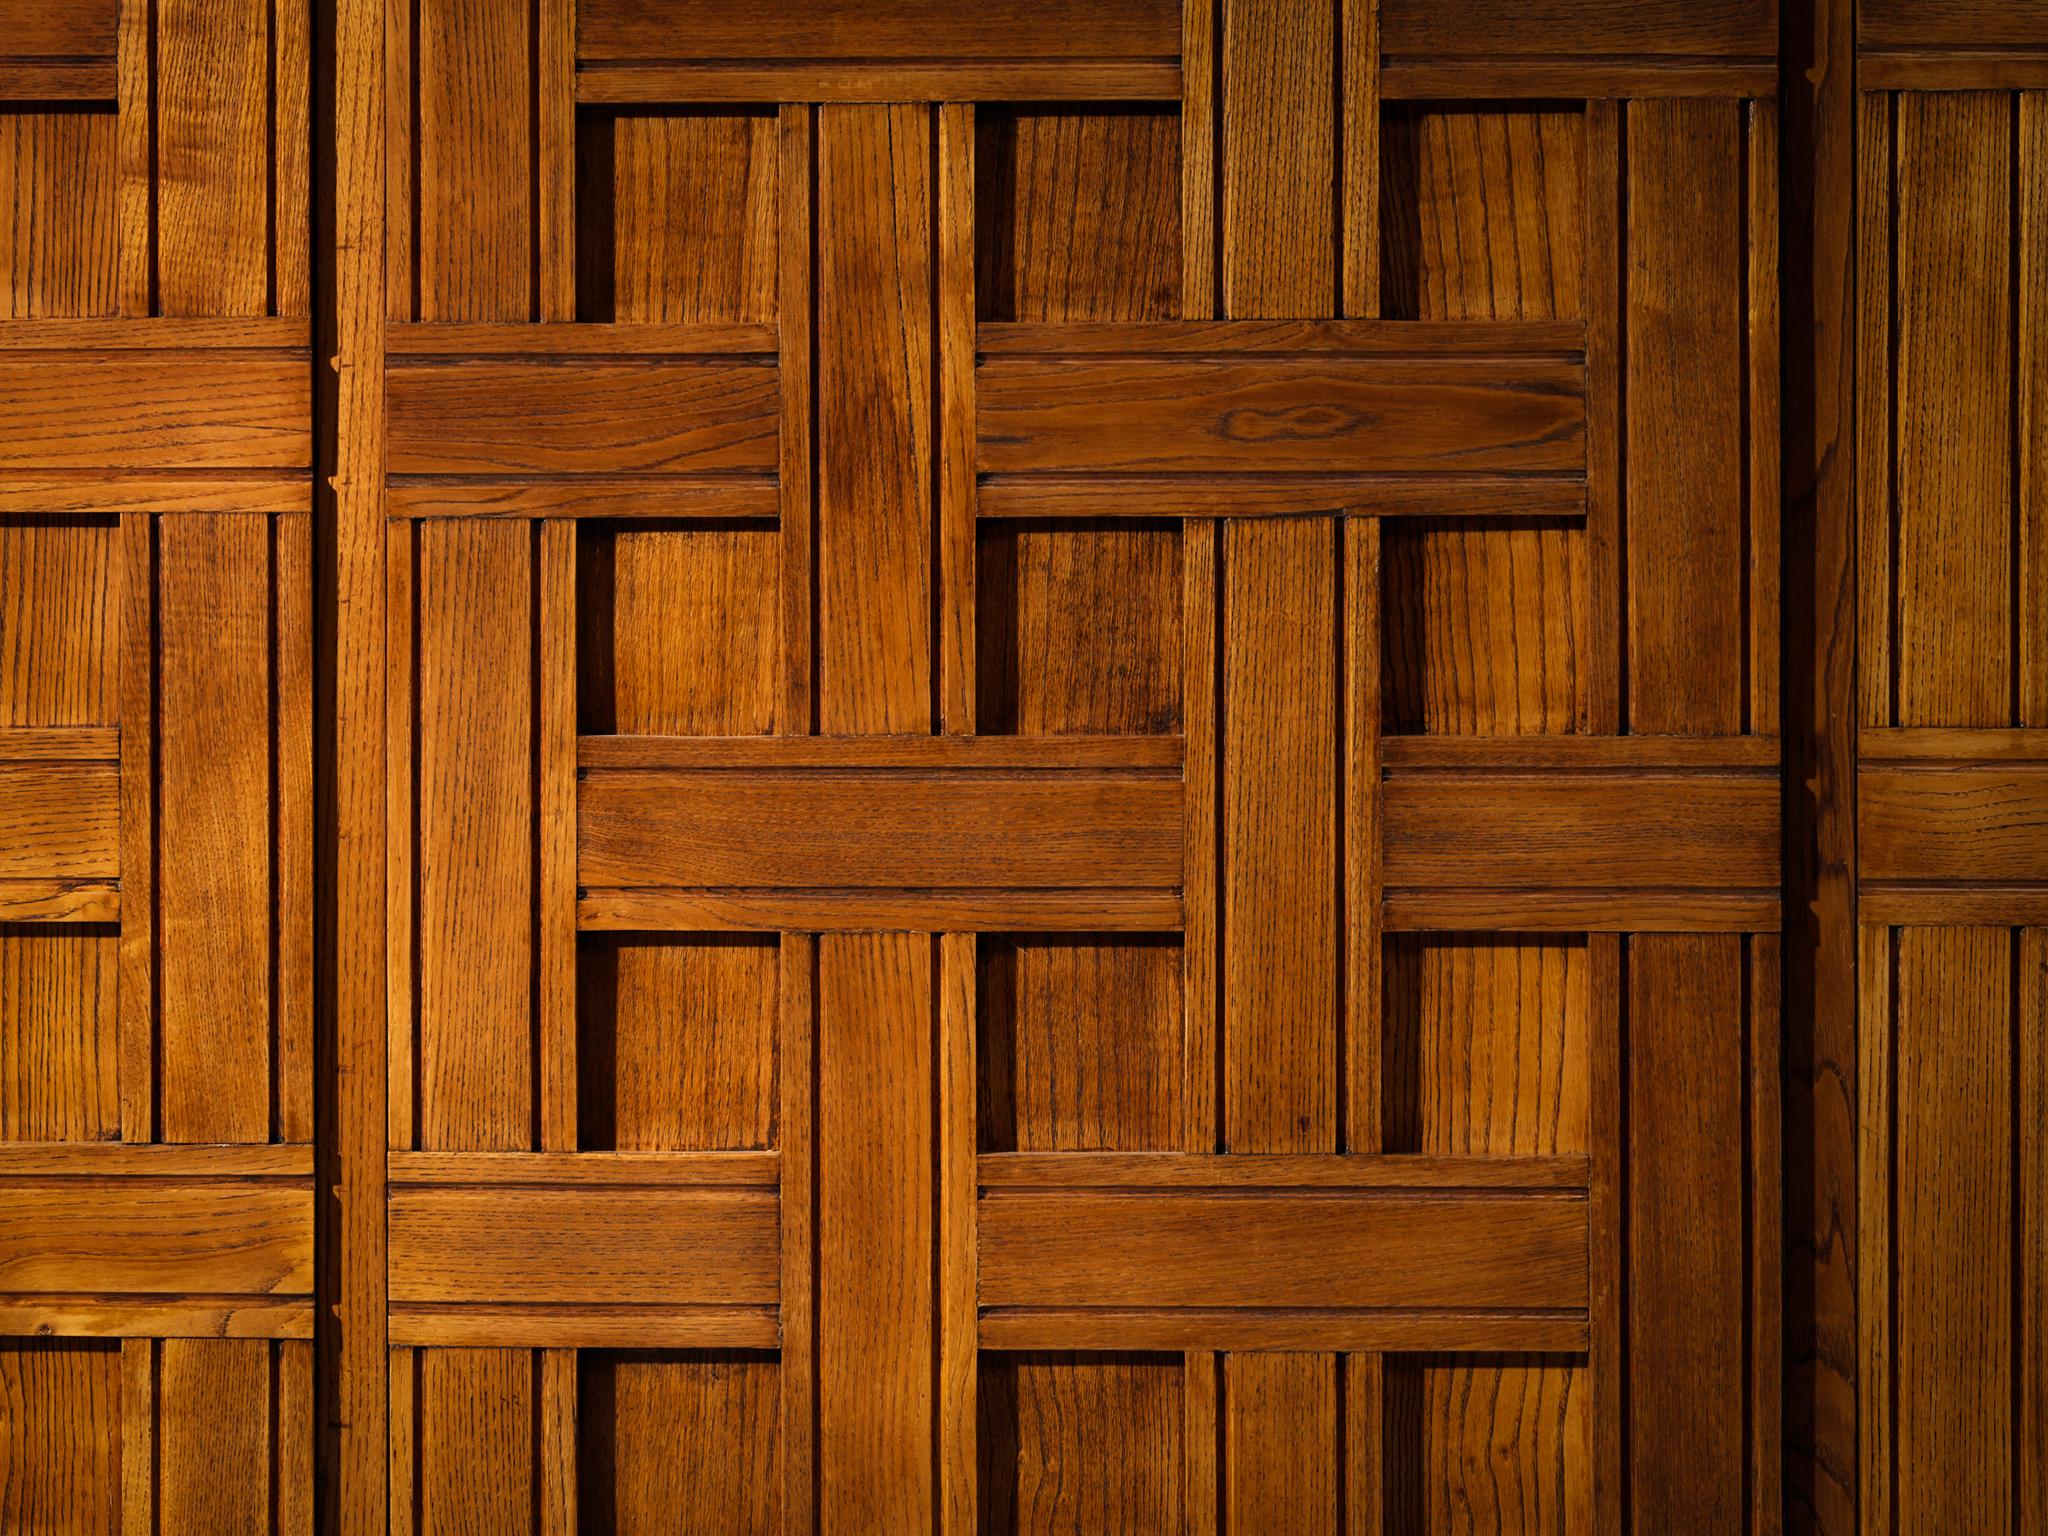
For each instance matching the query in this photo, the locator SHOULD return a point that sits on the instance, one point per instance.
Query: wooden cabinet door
(1073, 711)
(156, 763)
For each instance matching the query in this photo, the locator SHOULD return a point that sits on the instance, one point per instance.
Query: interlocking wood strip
(143, 1235)
(1984, 824)
(169, 410)
(59, 821)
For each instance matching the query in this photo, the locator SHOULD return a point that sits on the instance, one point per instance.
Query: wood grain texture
(1280, 1446)
(171, 410)
(58, 623)
(1983, 825)
(1954, 423)
(59, 822)
(637, 1475)
(213, 151)
(216, 985)
(166, 1237)
(2031, 426)
(1279, 223)
(1493, 1443)
(215, 1420)
(1949, 23)
(60, 1078)
(905, 29)
(57, 230)
(474, 1445)
(1081, 1442)
(476, 238)
(58, 1400)
(1489, 27)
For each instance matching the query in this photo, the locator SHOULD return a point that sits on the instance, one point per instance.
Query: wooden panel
(59, 1079)
(1499, 1443)
(212, 143)
(1280, 1452)
(1686, 1085)
(1685, 417)
(475, 836)
(1936, 23)
(1952, 1246)
(680, 630)
(1080, 1045)
(672, 1247)
(1278, 201)
(215, 1419)
(1954, 411)
(484, 417)
(1265, 415)
(874, 282)
(1482, 214)
(875, 1216)
(676, 1042)
(853, 29)
(1568, 831)
(1984, 824)
(57, 604)
(59, 822)
(56, 209)
(1482, 628)
(871, 829)
(637, 1475)
(153, 1237)
(61, 28)
(679, 218)
(171, 410)
(474, 195)
(1079, 628)
(1258, 1248)
(1080, 1442)
(214, 872)
(473, 1414)
(1496, 27)
(1077, 216)
(59, 1398)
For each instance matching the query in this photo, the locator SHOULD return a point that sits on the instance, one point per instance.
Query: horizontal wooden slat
(1951, 23)
(143, 1236)
(1279, 415)
(863, 29)
(261, 333)
(1292, 1248)
(876, 828)
(1494, 28)
(907, 910)
(1985, 825)
(59, 901)
(679, 1169)
(1318, 1330)
(672, 1247)
(1943, 906)
(162, 1160)
(155, 410)
(928, 752)
(537, 416)
(53, 80)
(425, 1325)
(1665, 753)
(1944, 745)
(1239, 496)
(1222, 339)
(1179, 1170)
(608, 496)
(1529, 76)
(61, 744)
(481, 339)
(1953, 69)
(170, 1317)
(59, 27)
(1572, 830)
(826, 80)
(59, 821)
(93, 492)
(1618, 910)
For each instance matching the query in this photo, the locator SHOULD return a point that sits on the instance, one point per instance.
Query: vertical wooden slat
(475, 836)
(403, 1465)
(476, 1450)
(1953, 1255)
(1601, 670)
(401, 1008)
(138, 1437)
(1361, 168)
(297, 1419)
(1875, 511)
(796, 1067)
(1954, 413)
(2032, 1303)
(1362, 862)
(1278, 176)
(1280, 1443)
(400, 157)
(1201, 1383)
(2030, 324)
(137, 991)
(213, 773)
(557, 873)
(1685, 1240)
(793, 340)
(134, 108)
(1198, 109)
(956, 418)
(1604, 1045)
(214, 1456)
(555, 107)
(292, 825)
(1765, 458)
(875, 1231)
(292, 170)
(1766, 1226)
(874, 429)
(558, 1442)
(475, 195)
(1684, 417)
(212, 156)
(1875, 1001)
(1364, 1389)
(1199, 895)
(959, 1351)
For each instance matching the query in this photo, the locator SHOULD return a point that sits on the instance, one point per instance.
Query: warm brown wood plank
(155, 411)
(63, 589)
(138, 1446)
(59, 901)
(1428, 339)
(875, 359)
(1934, 905)
(59, 232)
(212, 151)
(1613, 910)
(1248, 495)
(167, 1317)
(555, 837)
(1561, 830)
(1315, 1329)
(1280, 1441)
(143, 1236)
(1953, 69)
(61, 28)
(215, 985)
(1958, 747)
(1079, 1443)
(847, 29)
(564, 1325)
(797, 520)
(473, 1429)
(291, 813)
(639, 497)
(1259, 415)
(59, 821)
(1202, 833)
(1279, 221)
(638, 417)
(55, 80)
(852, 911)
(957, 1280)
(161, 333)
(875, 829)
(672, 1247)
(1275, 1171)
(636, 1473)
(954, 573)
(1948, 23)
(1537, 78)
(146, 494)
(1495, 27)
(829, 80)
(683, 1170)
(1686, 1032)
(1701, 754)
(60, 1072)
(927, 753)
(215, 1416)
(1279, 1248)
(796, 1137)
(1986, 825)
(876, 1205)
(52, 1157)
(473, 204)
(669, 339)
(137, 945)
